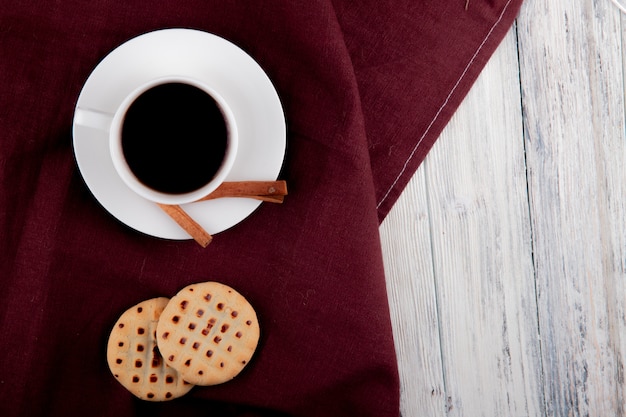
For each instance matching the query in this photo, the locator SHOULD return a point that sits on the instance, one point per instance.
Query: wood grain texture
(506, 254)
(573, 100)
(411, 286)
(482, 252)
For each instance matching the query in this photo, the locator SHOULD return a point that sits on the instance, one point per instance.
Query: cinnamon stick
(271, 191)
(185, 221)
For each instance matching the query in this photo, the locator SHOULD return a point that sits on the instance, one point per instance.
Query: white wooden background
(506, 254)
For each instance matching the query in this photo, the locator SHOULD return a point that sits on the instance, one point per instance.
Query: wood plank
(405, 237)
(571, 72)
(470, 243)
(482, 251)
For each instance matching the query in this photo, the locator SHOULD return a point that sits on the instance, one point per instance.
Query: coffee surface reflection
(174, 138)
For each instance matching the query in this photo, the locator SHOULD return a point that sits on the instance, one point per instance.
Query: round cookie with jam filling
(208, 332)
(134, 358)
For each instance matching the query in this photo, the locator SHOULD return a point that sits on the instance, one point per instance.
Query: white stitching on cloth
(467, 67)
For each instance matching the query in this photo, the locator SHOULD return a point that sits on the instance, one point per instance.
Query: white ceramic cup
(114, 123)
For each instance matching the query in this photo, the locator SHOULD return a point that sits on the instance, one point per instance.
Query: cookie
(208, 332)
(134, 358)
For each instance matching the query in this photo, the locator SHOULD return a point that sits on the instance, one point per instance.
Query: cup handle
(93, 118)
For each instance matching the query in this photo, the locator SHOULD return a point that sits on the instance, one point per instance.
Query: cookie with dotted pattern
(134, 358)
(208, 332)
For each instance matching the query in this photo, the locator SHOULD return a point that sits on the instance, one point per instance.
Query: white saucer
(220, 64)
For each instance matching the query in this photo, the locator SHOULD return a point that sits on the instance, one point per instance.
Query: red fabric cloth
(366, 88)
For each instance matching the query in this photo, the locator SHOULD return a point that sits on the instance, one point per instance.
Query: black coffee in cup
(174, 138)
